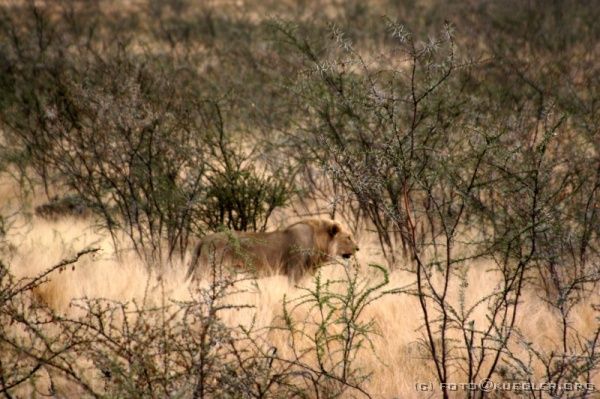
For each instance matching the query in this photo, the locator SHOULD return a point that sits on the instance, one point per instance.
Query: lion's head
(342, 243)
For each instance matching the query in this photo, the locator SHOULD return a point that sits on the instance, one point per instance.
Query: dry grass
(397, 362)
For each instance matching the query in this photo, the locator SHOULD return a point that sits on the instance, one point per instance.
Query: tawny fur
(295, 251)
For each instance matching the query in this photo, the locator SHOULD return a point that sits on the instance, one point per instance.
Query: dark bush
(138, 135)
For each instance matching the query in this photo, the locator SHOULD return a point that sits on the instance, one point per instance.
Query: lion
(295, 251)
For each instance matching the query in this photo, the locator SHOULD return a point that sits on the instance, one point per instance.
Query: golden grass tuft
(398, 361)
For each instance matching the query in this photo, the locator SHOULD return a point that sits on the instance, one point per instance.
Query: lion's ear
(334, 229)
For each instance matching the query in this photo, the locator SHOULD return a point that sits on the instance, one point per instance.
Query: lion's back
(259, 252)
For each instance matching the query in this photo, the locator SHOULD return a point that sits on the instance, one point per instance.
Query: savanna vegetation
(458, 140)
